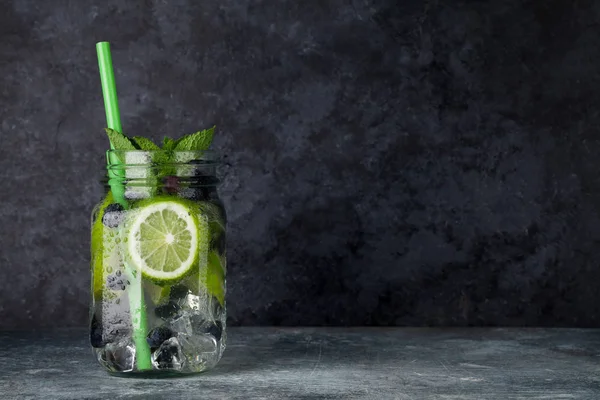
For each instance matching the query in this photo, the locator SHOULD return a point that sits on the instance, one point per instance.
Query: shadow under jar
(158, 264)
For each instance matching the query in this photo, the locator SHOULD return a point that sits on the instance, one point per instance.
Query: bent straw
(113, 120)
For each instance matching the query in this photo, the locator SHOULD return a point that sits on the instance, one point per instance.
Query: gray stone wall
(385, 163)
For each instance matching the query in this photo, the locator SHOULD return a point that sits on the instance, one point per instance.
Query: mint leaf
(118, 140)
(144, 143)
(198, 141)
(168, 144)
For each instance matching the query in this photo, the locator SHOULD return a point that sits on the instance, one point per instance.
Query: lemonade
(158, 258)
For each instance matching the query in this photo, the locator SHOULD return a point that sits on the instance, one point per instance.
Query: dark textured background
(387, 162)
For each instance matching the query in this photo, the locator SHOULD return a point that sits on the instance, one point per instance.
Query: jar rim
(147, 157)
(137, 151)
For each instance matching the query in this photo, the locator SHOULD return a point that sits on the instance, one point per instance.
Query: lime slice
(162, 240)
(210, 278)
(97, 248)
(215, 277)
(157, 294)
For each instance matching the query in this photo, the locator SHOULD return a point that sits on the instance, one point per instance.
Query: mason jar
(158, 264)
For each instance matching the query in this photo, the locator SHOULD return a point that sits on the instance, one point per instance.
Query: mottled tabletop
(326, 363)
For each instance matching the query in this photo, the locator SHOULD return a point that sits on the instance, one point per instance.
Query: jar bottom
(170, 360)
(155, 374)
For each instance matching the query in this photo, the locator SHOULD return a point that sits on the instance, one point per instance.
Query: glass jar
(158, 264)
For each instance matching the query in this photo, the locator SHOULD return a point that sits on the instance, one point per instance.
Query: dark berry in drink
(167, 310)
(215, 329)
(113, 215)
(178, 292)
(157, 336)
(170, 184)
(96, 332)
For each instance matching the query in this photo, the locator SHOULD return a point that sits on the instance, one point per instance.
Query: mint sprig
(197, 141)
(164, 158)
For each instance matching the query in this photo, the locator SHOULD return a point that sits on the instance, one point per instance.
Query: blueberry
(167, 310)
(113, 215)
(178, 292)
(215, 329)
(96, 332)
(158, 335)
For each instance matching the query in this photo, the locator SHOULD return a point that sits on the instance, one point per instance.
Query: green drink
(158, 259)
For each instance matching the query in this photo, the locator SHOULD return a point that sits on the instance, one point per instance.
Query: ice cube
(182, 324)
(200, 351)
(118, 357)
(137, 164)
(183, 161)
(191, 303)
(137, 192)
(201, 304)
(204, 343)
(184, 157)
(168, 355)
(200, 326)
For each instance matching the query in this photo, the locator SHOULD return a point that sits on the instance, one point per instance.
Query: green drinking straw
(113, 121)
(109, 88)
(113, 116)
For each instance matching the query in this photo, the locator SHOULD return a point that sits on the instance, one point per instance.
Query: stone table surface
(326, 363)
